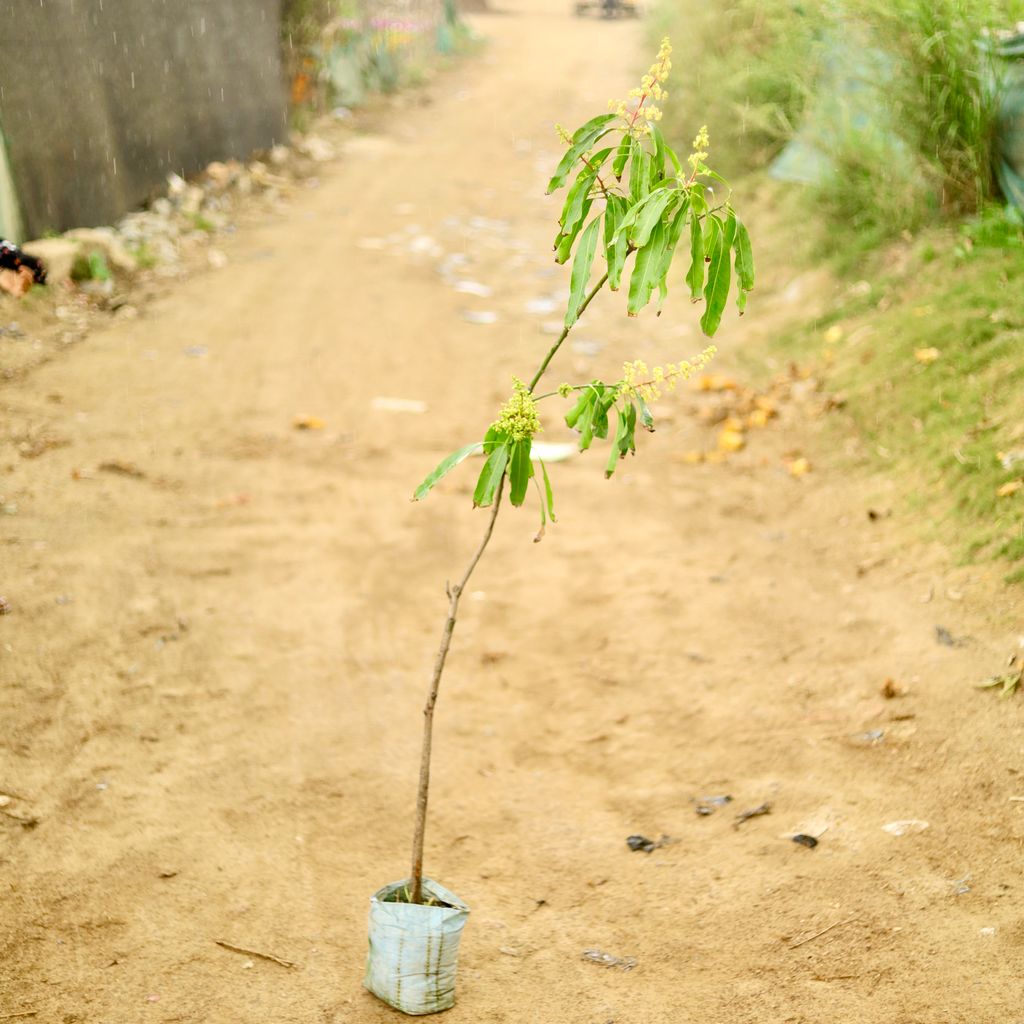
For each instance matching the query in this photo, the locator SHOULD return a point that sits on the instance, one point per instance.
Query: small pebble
(809, 841)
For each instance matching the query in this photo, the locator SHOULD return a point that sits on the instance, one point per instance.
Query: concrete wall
(100, 99)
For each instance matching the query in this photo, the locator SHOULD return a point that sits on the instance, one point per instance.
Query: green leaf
(587, 396)
(660, 202)
(572, 212)
(604, 402)
(491, 476)
(622, 156)
(580, 146)
(613, 210)
(444, 467)
(585, 424)
(695, 275)
(716, 290)
(549, 494)
(565, 241)
(744, 264)
(629, 440)
(594, 124)
(658, 166)
(645, 271)
(673, 234)
(581, 270)
(639, 172)
(646, 419)
(614, 455)
(520, 471)
(616, 245)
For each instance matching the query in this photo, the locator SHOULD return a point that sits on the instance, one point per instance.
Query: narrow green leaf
(674, 232)
(660, 203)
(614, 455)
(490, 476)
(573, 153)
(744, 264)
(565, 241)
(572, 212)
(543, 516)
(695, 275)
(645, 270)
(444, 467)
(622, 156)
(601, 407)
(520, 470)
(587, 397)
(629, 441)
(594, 124)
(581, 270)
(639, 172)
(646, 419)
(585, 425)
(658, 166)
(578, 194)
(549, 493)
(613, 210)
(716, 290)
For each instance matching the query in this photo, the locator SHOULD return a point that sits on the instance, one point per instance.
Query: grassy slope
(944, 427)
(940, 427)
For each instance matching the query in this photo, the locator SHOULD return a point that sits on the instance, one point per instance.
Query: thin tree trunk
(454, 593)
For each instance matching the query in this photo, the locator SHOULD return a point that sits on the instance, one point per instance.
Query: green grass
(898, 94)
(944, 427)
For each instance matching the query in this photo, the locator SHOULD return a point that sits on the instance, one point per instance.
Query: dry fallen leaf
(1009, 488)
(691, 458)
(716, 382)
(308, 423)
(798, 467)
(926, 355)
(731, 440)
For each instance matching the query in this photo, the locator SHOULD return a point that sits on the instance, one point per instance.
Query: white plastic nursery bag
(414, 949)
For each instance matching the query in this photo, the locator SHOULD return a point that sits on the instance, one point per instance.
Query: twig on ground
(29, 822)
(22, 1013)
(255, 952)
(817, 935)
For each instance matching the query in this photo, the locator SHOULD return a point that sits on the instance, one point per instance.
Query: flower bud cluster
(701, 144)
(518, 418)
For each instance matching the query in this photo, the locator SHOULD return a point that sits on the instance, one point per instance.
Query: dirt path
(212, 672)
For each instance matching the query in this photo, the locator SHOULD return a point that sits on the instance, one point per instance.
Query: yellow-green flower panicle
(639, 109)
(518, 419)
(640, 382)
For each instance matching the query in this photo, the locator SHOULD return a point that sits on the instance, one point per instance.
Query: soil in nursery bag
(414, 948)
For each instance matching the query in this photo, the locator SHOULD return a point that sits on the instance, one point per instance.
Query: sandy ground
(213, 665)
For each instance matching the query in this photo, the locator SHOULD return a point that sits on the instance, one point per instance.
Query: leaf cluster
(630, 200)
(646, 206)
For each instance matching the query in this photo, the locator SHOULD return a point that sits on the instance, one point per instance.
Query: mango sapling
(635, 205)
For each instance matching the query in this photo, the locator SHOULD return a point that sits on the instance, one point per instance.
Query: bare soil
(221, 627)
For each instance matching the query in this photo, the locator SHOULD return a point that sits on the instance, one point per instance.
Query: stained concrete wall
(100, 99)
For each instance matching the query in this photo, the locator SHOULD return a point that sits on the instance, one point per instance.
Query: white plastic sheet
(414, 949)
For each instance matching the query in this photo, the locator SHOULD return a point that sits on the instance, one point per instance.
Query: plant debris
(944, 637)
(756, 812)
(597, 956)
(637, 843)
(804, 840)
(709, 804)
